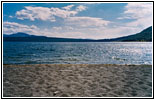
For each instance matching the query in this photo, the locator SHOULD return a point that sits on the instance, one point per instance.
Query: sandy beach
(77, 80)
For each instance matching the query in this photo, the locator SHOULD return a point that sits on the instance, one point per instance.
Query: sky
(77, 20)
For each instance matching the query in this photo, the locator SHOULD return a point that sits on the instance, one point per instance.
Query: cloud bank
(48, 14)
(12, 27)
(140, 12)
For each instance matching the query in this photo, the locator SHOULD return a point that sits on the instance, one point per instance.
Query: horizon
(77, 20)
(74, 38)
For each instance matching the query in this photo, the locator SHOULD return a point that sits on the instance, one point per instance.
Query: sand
(77, 80)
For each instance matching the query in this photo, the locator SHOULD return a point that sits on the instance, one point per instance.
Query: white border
(78, 1)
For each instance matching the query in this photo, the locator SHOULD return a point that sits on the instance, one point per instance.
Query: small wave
(30, 62)
(116, 58)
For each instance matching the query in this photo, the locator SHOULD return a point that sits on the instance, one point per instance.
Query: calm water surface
(77, 53)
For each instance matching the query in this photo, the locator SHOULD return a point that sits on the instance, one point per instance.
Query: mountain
(145, 35)
(23, 37)
(19, 34)
(5, 35)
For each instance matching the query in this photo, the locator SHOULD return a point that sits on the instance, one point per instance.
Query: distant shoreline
(79, 42)
(80, 64)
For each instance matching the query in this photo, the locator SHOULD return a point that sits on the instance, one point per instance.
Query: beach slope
(77, 80)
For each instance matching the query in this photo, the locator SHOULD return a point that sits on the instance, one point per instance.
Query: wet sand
(77, 80)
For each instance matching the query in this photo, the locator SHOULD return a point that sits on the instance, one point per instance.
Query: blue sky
(77, 20)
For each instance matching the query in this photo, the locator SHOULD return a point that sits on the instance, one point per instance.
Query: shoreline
(77, 80)
(80, 64)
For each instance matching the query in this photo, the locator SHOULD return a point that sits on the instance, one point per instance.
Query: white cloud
(12, 27)
(86, 22)
(142, 22)
(56, 28)
(137, 10)
(92, 33)
(45, 13)
(81, 8)
(62, 13)
(32, 13)
(10, 16)
(140, 13)
(68, 7)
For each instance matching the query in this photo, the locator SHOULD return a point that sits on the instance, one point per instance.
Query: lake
(77, 53)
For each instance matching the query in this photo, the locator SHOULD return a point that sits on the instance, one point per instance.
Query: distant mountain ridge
(24, 37)
(19, 34)
(145, 35)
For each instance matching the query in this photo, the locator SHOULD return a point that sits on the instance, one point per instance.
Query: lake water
(77, 53)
